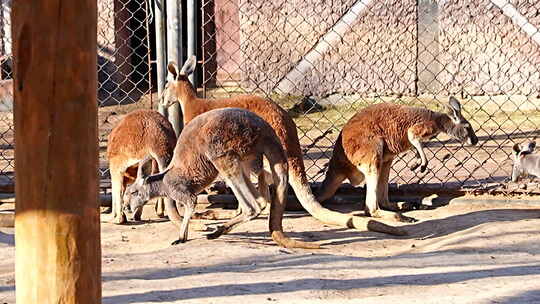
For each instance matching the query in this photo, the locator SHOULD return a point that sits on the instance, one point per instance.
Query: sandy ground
(460, 253)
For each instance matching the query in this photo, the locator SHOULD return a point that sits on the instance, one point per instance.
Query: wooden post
(58, 253)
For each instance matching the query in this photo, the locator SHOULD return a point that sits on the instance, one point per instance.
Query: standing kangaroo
(138, 134)
(180, 90)
(525, 162)
(222, 142)
(374, 136)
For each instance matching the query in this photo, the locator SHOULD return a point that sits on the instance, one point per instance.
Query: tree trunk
(58, 253)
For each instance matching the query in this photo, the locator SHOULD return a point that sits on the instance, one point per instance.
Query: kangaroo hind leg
(249, 198)
(382, 193)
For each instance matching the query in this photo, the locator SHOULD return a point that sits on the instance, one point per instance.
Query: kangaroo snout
(472, 141)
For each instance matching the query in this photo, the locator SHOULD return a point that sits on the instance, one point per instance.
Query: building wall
(473, 49)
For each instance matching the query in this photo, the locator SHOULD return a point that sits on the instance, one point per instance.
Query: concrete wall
(483, 52)
(464, 47)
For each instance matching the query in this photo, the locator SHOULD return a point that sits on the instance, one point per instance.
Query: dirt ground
(464, 252)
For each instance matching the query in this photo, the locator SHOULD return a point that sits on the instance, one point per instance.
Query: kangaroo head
(460, 128)
(138, 193)
(178, 82)
(520, 152)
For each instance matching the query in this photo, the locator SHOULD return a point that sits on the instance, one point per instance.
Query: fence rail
(323, 61)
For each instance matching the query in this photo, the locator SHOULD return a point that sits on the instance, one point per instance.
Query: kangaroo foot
(396, 216)
(219, 230)
(117, 219)
(399, 206)
(107, 210)
(177, 242)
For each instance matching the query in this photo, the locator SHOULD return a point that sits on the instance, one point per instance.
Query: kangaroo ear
(189, 66)
(516, 148)
(173, 69)
(155, 177)
(145, 168)
(532, 145)
(454, 104)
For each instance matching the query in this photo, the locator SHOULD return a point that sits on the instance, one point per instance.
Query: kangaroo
(138, 134)
(180, 90)
(525, 162)
(374, 136)
(6, 95)
(223, 142)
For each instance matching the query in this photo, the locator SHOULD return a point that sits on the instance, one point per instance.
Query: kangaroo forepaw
(423, 168)
(414, 166)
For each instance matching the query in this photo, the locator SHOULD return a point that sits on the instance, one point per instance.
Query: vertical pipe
(161, 64)
(192, 35)
(57, 227)
(149, 14)
(174, 53)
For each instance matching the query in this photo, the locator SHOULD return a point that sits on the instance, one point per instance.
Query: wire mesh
(323, 61)
(124, 73)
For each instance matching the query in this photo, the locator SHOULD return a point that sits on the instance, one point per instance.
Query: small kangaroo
(180, 90)
(374, 136)
(223, 142)
(525, 162)
(6, 95)
(138, 134)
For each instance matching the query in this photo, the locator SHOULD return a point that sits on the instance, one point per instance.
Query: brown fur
(182, 91)
(371, 140)
(389, 122)
(220, 142)
(138, 134)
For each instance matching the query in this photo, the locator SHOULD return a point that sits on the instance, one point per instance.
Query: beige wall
(479, 50)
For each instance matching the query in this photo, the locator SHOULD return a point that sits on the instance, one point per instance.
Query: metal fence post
(192, 35)
(161, 64)
(174, 53)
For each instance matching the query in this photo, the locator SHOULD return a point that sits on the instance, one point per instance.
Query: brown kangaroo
(138, 134)
(180, 90)
(221, 142)
(374, 136)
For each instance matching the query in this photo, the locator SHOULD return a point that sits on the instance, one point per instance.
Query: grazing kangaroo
(374, 136)
(180, 90)
(525, 162)
(138, 134)
(221, 142)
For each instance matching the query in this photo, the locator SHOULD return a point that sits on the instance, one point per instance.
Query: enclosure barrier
(324, 60)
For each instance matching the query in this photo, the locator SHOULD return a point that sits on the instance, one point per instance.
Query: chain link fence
(124, 74)
(325, 60)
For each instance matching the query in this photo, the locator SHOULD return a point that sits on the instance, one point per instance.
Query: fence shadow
(317, 284)
(8, 239)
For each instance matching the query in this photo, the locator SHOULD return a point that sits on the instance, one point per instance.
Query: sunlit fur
(220, 142)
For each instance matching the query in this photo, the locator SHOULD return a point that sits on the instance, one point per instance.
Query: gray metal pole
(161, 61)
(174, 53)
(192, 34)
